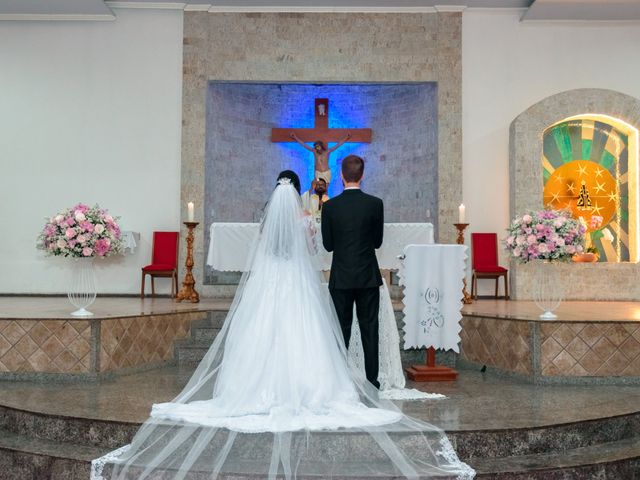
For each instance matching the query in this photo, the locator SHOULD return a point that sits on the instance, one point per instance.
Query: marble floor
(36, 307)
(476, 401)
(568, 311)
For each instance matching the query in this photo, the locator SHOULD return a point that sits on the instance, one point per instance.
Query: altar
(230, 244)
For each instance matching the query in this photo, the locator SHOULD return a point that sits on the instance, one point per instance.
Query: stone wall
(322, 48)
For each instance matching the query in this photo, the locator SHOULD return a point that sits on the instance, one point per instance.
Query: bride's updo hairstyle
(291, 175)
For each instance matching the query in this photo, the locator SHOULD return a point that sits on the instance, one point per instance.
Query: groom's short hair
(352, 168)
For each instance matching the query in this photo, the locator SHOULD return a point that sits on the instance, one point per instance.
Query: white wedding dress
(390, 372)
(275, 393)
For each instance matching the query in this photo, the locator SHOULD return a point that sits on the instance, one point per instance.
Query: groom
(352, 225)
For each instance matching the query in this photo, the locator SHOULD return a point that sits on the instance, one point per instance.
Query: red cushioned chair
(484, 260)
(164, 261)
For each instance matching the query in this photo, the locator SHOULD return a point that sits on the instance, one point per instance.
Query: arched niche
(602, 281)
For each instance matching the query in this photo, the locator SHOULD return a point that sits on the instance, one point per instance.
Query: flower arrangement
(552, 235)
(81, 231)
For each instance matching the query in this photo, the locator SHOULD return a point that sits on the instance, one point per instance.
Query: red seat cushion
(157, 267)
(490, 269)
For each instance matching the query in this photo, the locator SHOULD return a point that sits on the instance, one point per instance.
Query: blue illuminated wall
(241, 163)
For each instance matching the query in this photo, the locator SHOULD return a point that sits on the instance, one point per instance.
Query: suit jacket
(352, 226)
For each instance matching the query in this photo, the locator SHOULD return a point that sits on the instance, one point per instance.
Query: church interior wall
(509, 66)
(102, 100)
(90, 112)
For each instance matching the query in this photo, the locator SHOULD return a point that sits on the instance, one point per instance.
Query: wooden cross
(321, 130)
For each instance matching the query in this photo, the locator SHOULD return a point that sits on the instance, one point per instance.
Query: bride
(275, 396)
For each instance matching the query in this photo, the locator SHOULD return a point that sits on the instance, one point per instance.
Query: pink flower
(517, 252)
(70, 233)
(81, 239)
(86, 251)
(99, 228)
(520, 239)
(108, 218)
(81, 207)
(532, 239)
(102, 247)
(61, 243)
(87, 226)
(510, 240)
(559, 222)
(571, 249)
(527, 218)
(542, 248)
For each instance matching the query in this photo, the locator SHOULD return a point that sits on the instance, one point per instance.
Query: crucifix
(321, 135)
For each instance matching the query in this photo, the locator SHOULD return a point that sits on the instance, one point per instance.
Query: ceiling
(534, 10)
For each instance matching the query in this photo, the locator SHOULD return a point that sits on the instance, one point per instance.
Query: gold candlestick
(460, 241)
(188, 292)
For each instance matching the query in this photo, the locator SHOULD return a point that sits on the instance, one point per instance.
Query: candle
(461, 211)
(190, 211)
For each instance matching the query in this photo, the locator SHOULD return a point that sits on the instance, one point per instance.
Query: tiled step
(612, 460)
(26, 458)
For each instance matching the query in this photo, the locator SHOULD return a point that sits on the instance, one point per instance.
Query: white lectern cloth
(433, 279)
(230, 244)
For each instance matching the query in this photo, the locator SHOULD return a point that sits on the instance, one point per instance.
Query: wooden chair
(164, 261)
(484, 261)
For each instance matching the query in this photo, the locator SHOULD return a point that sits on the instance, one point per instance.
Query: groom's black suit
(352, 226)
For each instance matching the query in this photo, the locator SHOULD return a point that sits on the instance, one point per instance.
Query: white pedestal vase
(82, 286)
(548, 288)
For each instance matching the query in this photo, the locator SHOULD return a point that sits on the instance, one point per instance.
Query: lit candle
(190, 211)
(461, 210)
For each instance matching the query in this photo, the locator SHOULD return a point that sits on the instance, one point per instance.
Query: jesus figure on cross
(321, 155)
(321, 136)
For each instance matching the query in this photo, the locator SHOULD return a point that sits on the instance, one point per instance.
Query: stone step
(202, 334)
(470, 445)
(189, 352)
(27, 458)
(253, 471)
(612, 460)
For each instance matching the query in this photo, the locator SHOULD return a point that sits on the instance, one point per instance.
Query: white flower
(99, 228)
(61, 243)
(58, 218)
(81, 238)
(80, 216)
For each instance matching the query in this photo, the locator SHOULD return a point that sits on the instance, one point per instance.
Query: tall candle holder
(461, 227)
(188, 291)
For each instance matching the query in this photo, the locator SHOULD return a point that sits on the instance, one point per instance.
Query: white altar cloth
(229, 244)
(433, 279)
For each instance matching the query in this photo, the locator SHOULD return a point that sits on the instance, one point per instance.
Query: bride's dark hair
(291, 175)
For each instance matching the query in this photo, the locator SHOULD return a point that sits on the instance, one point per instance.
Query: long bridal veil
(274, 396)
